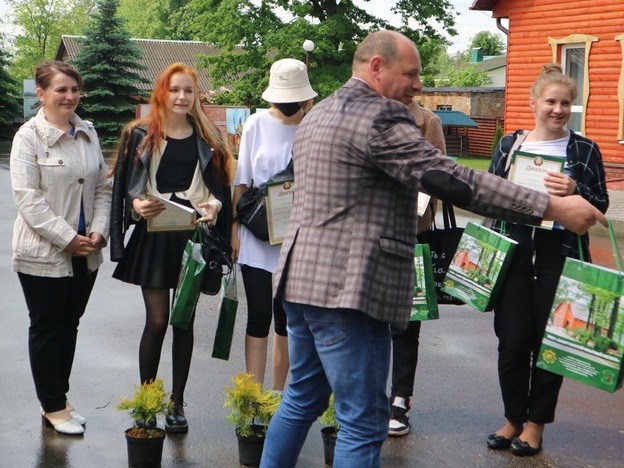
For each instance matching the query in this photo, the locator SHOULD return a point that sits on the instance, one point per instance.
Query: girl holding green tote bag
(174, 152)
(523, 306)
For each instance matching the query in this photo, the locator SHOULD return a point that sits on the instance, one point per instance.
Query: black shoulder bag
(251, 206)
(217, 254)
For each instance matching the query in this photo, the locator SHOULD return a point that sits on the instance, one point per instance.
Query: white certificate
(175, 217)
(529, 170)
(423, 202)
(279, 201)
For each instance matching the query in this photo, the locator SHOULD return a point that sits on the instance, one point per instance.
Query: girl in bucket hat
(265, 150)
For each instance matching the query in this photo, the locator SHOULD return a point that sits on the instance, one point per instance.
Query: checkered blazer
(359, 162)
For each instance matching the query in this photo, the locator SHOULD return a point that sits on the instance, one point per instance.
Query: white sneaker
(399, 421)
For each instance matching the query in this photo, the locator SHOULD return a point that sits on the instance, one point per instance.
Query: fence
(461, 141)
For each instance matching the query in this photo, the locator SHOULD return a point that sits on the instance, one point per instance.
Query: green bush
(149, 400)
(582, 336)
(604, 343)
(497, 136)
(328, 418)
(251, 407)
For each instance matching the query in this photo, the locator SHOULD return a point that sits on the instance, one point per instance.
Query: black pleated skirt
(152, 259)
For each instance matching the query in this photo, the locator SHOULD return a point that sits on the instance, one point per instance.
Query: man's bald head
(380, 43)
(390, 63)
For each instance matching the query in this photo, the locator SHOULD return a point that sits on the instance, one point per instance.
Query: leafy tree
(108, 62)
(613, 317)
(142, 17)
(149, 19)
(40, 26)
(467, 76)
(9, 88)
(490, 43)
(431, 51)
(334, 26)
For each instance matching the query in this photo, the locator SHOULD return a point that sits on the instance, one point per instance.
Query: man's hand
(574, 213)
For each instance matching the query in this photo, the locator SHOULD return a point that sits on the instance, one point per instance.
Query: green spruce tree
(9, 90)
(109, 64)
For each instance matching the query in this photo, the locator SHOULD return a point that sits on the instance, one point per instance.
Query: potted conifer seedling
(251, 410)
(144, 439)
(329, 431)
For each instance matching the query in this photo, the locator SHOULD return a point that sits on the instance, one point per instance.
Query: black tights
(156, 323)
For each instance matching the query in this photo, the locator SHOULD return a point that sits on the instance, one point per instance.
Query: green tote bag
(189, 284)
(227, 318)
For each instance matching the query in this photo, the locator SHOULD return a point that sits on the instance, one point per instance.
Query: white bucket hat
(288, 82)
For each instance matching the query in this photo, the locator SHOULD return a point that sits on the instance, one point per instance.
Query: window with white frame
(573, 64)
(573, 53)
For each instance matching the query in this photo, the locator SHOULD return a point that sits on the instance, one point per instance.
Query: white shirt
(265, 150)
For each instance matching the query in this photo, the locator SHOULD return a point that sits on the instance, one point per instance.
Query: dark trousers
(55, 306)
(521, 313)
(404, 360)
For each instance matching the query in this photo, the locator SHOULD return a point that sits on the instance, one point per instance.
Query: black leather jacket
(131, 177)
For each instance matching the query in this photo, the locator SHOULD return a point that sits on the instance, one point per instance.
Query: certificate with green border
(530, 169)
(279, 201)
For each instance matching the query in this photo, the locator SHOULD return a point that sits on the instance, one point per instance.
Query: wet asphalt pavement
(457, 399)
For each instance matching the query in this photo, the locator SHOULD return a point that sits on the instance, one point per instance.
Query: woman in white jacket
(59, 183)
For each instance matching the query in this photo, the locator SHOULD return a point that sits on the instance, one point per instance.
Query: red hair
(156, 121)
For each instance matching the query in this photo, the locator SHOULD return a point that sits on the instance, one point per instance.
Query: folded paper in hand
(175, 217)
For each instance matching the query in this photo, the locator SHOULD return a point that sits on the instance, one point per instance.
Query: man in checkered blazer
(346, 266)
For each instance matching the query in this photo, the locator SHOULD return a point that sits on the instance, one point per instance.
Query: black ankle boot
(175, 422)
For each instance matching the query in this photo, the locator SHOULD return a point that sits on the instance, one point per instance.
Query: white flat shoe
(71, 427)
(81, 419)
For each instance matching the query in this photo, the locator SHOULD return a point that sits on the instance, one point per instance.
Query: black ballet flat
(498, 442)
(175, 422)
(523, 449)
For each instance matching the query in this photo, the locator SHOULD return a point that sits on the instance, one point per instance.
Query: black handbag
(251, 212)
(251, 206)
(443, 244)
(217, 254)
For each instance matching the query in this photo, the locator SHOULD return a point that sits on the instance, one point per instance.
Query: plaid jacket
(584, 161)
(359, 162)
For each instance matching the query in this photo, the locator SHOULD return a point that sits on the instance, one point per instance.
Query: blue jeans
(343, 351)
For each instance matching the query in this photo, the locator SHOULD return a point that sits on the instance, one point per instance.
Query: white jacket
(51, 172)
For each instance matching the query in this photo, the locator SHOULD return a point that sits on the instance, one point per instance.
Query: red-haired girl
(175, 152)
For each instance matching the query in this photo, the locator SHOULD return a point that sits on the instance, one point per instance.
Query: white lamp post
(308, 46)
